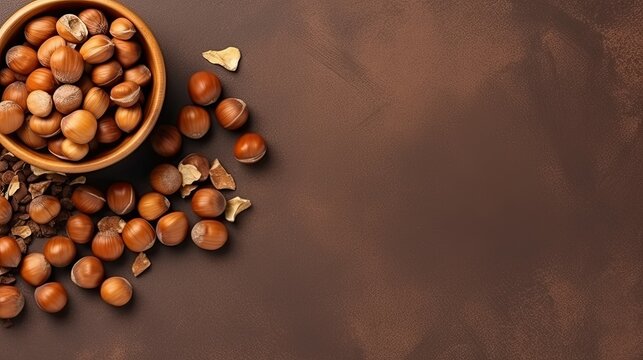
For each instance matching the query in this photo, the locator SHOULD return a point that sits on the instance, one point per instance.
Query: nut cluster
(75, 86)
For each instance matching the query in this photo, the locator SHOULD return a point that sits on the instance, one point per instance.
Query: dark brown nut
(166, 179)
(166, 140)
(121, 198)
(87, 199)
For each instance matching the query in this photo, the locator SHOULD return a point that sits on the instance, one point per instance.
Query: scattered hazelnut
(47, 49)
(47, 126)
(125, 94)
(40, 29)
(209, 234)
(7, 76)
(44, 208)
(72, 29)
(127, 52)
(30, 138)
(166, 140)
(231, 113)
(67, 65)
(54, 146)
(87, 199)
(73, 151)
(79, 126)
(166, 179)
(95, 21)
(172, 228)
(108, 245)
(138, 235)
(10, 254)
(80, 228)
(250, 148)
(107, 74)
(208, 203)
(129, 118)
(152, 205)
(200, 162)
(204, 88)
(11, 117)
(116, 291)
(108, 132)
(139, 74)
(22, 59)
(41, 79)
(39, 103)
(96, 102)
(88, 272)
(6, 212)
(16, 92)
(11, 302)
(121, 198)
(194, 121)
(122, 29)
(98, 49)
(35, 269)
(60, 251)
(51, 297)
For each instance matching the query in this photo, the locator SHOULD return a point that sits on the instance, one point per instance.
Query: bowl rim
(154, 103)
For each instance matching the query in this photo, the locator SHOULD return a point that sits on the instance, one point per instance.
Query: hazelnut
(122, 29)
(67, 98)
(166, 140)
(108, 132)
(95, 21)
(11, 117)
(139, 74)
(46, 126)
(166, 179)
(98, 49)
(7, 76)
(129, 118)
(209, 234)
(67, 65)
(125, 94)
(153, 205)
(107, 74)
(16, 92)
(51, 297)
(6, 212)
(10, 254)
(60, 251)
(40, 29)
(79, 126)
(108, 245)
(35, 269)
(208, 203)
(194, 121)
(55, 147)
(72, 29)
(30, 138)
(39, 103)
(73, 151)
(48, 47)
(111, 223)
(127, 52)
(200, 162)
(231, 113)
(249, 148)
(22, 59)
(80, 228)
(172, 228)
(204, 88)
(138, 235)
(96, 102)
(41, 79)
(11, 302)
(121, 198)
(88, 272)
(116, 291)
(44, 208)
(88, 199)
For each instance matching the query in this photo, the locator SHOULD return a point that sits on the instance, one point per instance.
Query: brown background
(446, 180)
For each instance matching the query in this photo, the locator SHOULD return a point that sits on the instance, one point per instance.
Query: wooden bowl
(13, 29)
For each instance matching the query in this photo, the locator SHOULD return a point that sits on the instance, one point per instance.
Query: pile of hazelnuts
(75, 85)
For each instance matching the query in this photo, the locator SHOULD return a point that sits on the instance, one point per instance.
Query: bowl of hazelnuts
(83, 84)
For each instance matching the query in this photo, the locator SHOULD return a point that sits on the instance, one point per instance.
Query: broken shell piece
(39, 188)
(14, 185)
(78, 181)
(228, 57)
(220, 178)
(141, 263)
(38, 171)
(21, 231)
(189, 173)
(111, 223)
(187, 190)
(235, 206)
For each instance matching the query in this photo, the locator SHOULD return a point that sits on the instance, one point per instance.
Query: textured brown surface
(455, 181)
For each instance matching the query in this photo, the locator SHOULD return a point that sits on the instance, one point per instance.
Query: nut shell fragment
(228, 57)
(220, 177)
(235, 206)
(141, 263)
